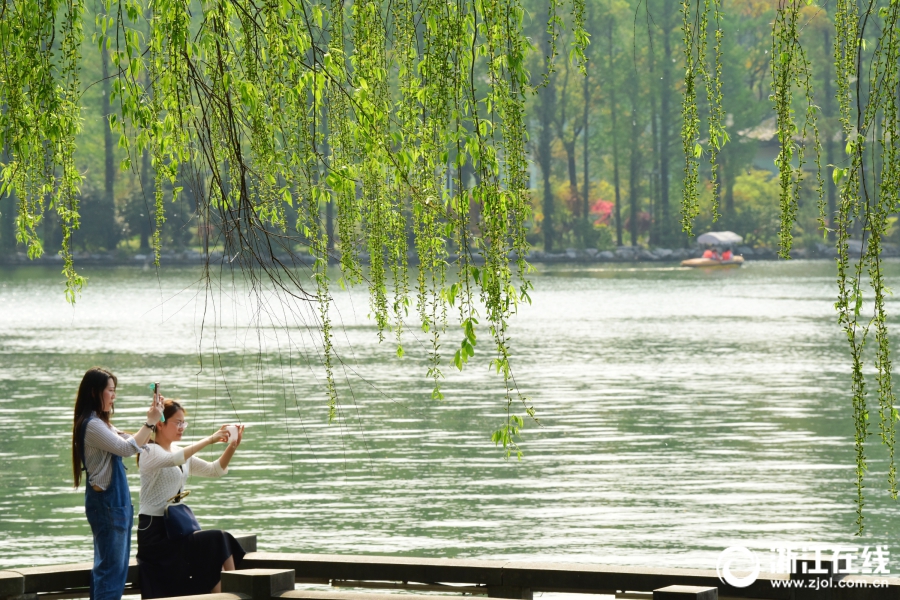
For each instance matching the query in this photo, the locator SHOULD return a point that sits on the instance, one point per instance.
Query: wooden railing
(58, 582)
(266, 575)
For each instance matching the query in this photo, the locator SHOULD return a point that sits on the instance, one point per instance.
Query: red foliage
(603, 211)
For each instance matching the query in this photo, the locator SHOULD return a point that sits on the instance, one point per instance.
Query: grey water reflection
(681, 412)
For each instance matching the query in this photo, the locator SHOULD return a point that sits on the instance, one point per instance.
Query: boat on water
(712, 262)
(719, 253)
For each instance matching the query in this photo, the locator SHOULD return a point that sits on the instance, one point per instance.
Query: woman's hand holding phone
(155, 414)
(235, 433)
(219, 436)
(231, 434)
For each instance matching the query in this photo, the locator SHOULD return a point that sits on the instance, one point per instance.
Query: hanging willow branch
(280, 108)
(867, 58)
(40, 93)
(869, 94)
(791, 71)
(695, 27)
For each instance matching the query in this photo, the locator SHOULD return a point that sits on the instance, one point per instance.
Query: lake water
(681, 412)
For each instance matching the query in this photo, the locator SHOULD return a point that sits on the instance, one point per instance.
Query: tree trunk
(149, 190)
(615, 143)
(148, 185)
(829, 131)
(7, 224)
(108, 209)
(544, 140)
(655, 186)
(329, 203)
(547, 98)
(633, 167)
(728, 175)
(8, 211)
(573, 173)
(666, 93)
(329, 224)
(586, 185)
(561, 119)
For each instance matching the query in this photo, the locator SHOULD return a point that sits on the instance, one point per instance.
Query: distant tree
(98, 229)
(545, 136)
(635, 171)
(611, 86)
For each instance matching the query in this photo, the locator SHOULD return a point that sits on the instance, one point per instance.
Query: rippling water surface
(681, 412)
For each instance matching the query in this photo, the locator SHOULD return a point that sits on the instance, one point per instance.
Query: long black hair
(88, 400)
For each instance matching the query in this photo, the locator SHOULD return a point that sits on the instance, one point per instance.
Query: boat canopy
(719, 238)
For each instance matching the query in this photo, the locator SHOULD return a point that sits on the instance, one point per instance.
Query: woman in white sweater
(193, 564)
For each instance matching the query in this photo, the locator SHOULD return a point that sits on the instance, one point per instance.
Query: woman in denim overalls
(99, 447)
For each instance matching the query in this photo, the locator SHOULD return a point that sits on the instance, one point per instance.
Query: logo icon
(741, 559)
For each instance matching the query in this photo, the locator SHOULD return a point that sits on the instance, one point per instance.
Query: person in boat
(98, 448)
(727, 255)
(193, 564)
(709, 253)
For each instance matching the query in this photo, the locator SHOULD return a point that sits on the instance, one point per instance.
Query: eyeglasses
(181, 425)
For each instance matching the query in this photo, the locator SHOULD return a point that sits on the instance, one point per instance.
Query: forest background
(606, 149)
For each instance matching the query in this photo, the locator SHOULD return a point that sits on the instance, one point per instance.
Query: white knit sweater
(164, 474)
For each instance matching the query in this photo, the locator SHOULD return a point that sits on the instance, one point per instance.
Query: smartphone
(162, 418)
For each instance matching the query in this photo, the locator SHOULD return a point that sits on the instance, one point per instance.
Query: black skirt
(185, 567)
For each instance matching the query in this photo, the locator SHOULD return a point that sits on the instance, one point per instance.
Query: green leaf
(837, 175)
(470, 331)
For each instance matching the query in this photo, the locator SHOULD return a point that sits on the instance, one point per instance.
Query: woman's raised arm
(153, 415)
(232, 446)
(220, 436)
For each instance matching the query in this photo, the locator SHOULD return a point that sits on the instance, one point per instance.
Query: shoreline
(623, 254)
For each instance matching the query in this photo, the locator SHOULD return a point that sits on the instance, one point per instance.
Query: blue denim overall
(110, 514)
